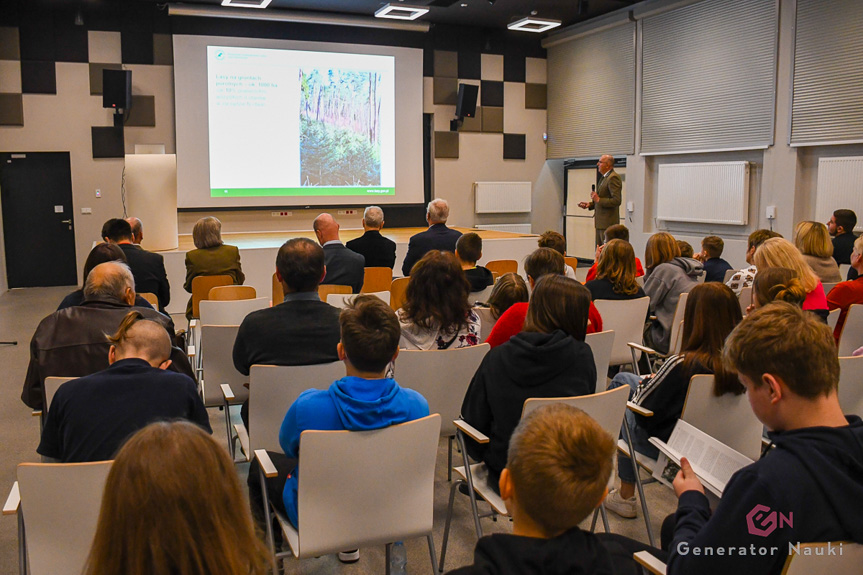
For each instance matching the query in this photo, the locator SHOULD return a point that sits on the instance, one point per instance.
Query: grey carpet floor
(20, 312)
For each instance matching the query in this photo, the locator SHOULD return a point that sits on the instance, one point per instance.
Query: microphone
(592, 187)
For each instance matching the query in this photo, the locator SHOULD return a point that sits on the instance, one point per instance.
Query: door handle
(65, 221)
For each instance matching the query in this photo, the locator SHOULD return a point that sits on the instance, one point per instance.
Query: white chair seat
(479, 475)
(645, 462)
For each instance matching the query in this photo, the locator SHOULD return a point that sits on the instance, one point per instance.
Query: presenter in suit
(605, 200)
(437, 237)
(378, 250)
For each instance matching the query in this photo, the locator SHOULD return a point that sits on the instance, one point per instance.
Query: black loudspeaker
(466, 105)
(117, 89)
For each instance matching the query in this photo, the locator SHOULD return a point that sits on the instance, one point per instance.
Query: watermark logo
(762, 521)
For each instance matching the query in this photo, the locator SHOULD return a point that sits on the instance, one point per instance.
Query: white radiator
(513, 228)
(715, 193)
(840, 185)
(502, 197)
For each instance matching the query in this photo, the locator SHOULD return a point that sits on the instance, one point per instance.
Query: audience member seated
(437, 237)
(378, 251)
(615, 232)
(173, 504)
(468, 250)
(436, 313)
(344, 267)
(787, 362)
(714, 266)
(302, 330)
(90, 418)
(556, 241)
(100, 254)
(148, 268)
(776, 284)
(509, 289)
(541, 262)
(780, 253)
(212, 257)
(848, 292)
(841, 228)
(813, 241)
(743, 278)
(686, 249)
(71, 342)
(711, 313)
(556, 474)
(362, 400)
(615, 275)
(668, 275)
(549, 358)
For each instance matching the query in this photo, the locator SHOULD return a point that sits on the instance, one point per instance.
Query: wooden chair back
(201, 286)
(278, 291)
(502, 266)
(151, 298)
(232, 293)
(397, 292)
(377, 279)
(326, 289)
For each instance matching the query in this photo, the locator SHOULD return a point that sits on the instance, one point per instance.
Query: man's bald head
(110, 281)
(326, 228)
(137, 230)
(142, 339)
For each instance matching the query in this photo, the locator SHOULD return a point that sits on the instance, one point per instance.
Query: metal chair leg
(389, 557)
(593, 521)
(638, 485)
(432, 554)
(473, 505)
(268, 518)
(452, 489)
(604, 514)
(22, 544)
(449, 459)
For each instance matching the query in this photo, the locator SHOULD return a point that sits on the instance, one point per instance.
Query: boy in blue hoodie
(362, 400)
(809, 486)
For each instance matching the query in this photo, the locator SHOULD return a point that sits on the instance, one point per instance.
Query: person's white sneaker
(623, 507)
(349, 556)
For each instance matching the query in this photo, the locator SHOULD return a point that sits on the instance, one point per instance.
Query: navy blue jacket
(437, 237)
(379, 252)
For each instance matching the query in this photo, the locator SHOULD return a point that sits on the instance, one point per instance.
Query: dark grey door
(38, 229)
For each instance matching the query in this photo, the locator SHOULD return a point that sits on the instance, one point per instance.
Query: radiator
(513, 228)
(502, 197)
(840, 185)
(714, 193)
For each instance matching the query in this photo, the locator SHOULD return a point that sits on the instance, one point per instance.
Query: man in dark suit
(606, 199)
(344, 267)
(437, 237)
(147, 267)
(378, 250)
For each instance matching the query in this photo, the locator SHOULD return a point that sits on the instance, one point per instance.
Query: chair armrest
(638, 409)
(243, 436)
(13, 501)
(36, 413)
(227, 392)
(642, 348)
(193, 323)
(650, 562)
(266, 463)
(190, 351)
(470, 431)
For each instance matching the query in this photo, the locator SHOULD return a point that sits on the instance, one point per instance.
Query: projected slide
(300, 123)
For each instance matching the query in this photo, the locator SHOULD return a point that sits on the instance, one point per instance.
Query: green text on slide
(308, 191)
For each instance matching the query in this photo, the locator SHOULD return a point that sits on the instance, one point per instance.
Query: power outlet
(98, 193)
(347, 212)
(86, 210)
(282, 214)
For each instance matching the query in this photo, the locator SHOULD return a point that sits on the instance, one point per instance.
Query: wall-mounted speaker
(117, 89)
(466, 105)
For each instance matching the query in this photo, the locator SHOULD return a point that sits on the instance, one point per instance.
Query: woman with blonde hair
(173, 504)
(212, 256)
(615, 273)
(813, 241)
(668, 275)
(780, 253)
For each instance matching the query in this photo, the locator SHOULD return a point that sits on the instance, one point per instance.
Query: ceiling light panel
(532, 24)
(400, 11)
(246, 3)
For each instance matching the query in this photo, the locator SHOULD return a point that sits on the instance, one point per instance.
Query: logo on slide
(762, 521)
(220, 55)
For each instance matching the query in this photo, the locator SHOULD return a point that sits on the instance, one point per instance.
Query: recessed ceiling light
(400, 12)
(532, 24)
(247, 3)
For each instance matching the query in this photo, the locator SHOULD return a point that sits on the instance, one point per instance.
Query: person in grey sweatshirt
(667, 276)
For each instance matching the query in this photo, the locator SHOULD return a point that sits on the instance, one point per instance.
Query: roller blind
(709, 77)
(827, 105)
(591, 94)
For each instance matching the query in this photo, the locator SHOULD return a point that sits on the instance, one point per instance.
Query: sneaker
(349, 556)
(623, 507)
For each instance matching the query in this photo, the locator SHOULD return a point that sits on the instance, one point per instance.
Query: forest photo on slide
(340, 128)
